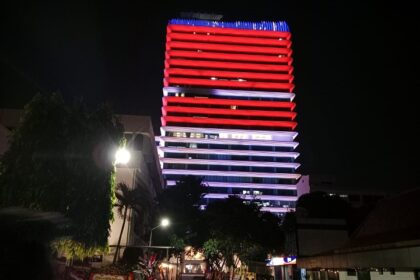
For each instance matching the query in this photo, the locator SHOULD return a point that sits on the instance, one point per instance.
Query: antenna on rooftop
(202, 16)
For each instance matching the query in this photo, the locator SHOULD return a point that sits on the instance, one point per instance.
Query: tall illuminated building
(228, 111)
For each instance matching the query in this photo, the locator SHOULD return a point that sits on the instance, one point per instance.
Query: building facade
(228, 112)
(142, 171)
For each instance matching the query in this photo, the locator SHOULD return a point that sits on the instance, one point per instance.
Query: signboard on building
(282, 261)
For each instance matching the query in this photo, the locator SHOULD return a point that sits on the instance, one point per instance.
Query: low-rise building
(143, 170)
(385, 246)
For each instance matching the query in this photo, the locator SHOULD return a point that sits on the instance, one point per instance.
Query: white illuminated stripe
(242, 185)
(227, 92)
(251, 197)
(227, 141)
(277, 209)
(228, 152)
(230, 173)
(293, 165)
(276, 135)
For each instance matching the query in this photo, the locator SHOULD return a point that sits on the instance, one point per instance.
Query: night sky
(356, 72)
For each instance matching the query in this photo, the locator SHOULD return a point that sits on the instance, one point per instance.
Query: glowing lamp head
(122, 156)
(164, 222)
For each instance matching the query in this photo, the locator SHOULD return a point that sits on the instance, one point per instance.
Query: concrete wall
(343, 276)
(316, 236)
(317, 241)
(303, 186)
(399, 258)
(399, 275)
(374, 275)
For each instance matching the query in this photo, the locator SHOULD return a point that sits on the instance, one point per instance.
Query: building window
(351, 272)
(417, 274)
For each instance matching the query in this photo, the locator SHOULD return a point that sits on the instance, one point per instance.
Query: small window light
(233, 107)
(213, 78)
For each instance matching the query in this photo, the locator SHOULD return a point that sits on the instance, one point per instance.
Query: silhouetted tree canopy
(226, 227)
(179, 203)
(61, 159)
(322, 205)
(138, 199)
(238, 226)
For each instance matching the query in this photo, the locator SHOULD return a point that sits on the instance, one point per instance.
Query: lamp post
(163, 223)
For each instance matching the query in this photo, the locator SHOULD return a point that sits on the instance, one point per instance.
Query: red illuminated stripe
(228, 84)
(173, 119)
(229, 112)
(228, 102)
(229, 57)
(228, 39)
(231, 31)
(227, 65)
(227, 74)
(227, 48)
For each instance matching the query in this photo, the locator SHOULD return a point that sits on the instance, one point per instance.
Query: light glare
(164, 222)
(122, 156)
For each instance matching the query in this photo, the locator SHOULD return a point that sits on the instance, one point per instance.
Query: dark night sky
(356, 68)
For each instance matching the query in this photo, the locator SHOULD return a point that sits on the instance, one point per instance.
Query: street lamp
(122, 156)
(163, 223)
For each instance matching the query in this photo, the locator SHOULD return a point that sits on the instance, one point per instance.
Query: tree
(322, 205)
(239, 231)
(180, 204)
(60, 160)
(289, 227)
(137, 199)
(319, 205)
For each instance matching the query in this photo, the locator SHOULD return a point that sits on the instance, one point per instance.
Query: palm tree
(139, 199)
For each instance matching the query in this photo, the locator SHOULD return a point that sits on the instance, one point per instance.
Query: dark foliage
(138, 199)
(240, 227)
(60, 160)
(322, 205)
(180, 204)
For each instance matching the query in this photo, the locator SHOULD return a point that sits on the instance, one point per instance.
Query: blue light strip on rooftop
(263, 25)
